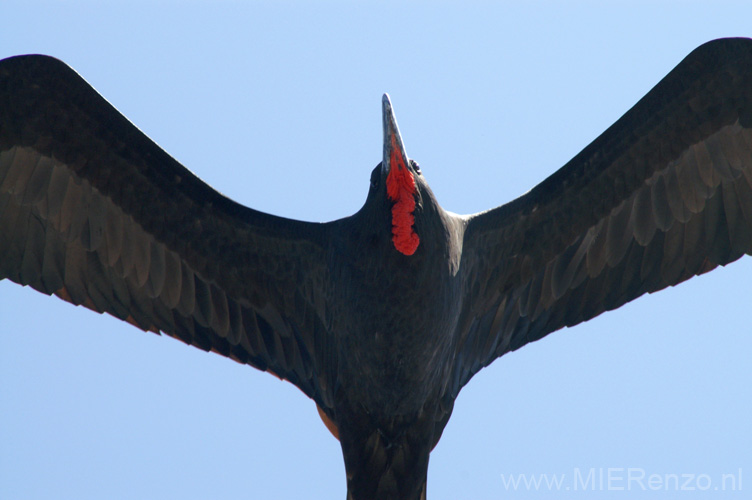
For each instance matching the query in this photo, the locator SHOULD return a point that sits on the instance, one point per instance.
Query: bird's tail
(387, 463)
(379, 496)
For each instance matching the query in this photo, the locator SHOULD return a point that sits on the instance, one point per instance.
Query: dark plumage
(93, 211)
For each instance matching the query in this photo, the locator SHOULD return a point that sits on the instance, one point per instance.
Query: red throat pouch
(400, 186)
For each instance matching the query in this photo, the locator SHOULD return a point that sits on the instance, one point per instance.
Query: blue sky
(277, 105)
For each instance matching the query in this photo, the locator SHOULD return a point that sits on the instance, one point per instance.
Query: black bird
(381, 317)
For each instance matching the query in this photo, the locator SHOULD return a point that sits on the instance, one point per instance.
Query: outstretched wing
(663, 195)
(95, 212)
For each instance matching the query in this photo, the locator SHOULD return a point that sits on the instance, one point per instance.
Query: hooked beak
(394, 150)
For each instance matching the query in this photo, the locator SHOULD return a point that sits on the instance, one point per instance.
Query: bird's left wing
(93, 211)
(663, 195)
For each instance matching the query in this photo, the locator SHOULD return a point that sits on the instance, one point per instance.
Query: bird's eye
(375, 177)
(415, 166)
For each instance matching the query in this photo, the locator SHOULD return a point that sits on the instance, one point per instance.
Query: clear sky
(277, 105)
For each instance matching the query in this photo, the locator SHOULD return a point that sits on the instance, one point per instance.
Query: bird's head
(397, 182)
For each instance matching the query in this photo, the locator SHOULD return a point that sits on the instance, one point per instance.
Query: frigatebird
(382, 317)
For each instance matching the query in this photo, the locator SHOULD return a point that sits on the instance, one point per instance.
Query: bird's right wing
(663, 195)
(93, 211)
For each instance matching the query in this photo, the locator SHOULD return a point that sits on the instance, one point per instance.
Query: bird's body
(395, 354)
(408, 307)
(381, 317)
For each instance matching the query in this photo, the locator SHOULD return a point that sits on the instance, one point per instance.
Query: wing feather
(53, 263)
(39, 179)
(661, 196)
(173, 280)
(94, 212)
(642, 219)
(33, 254)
